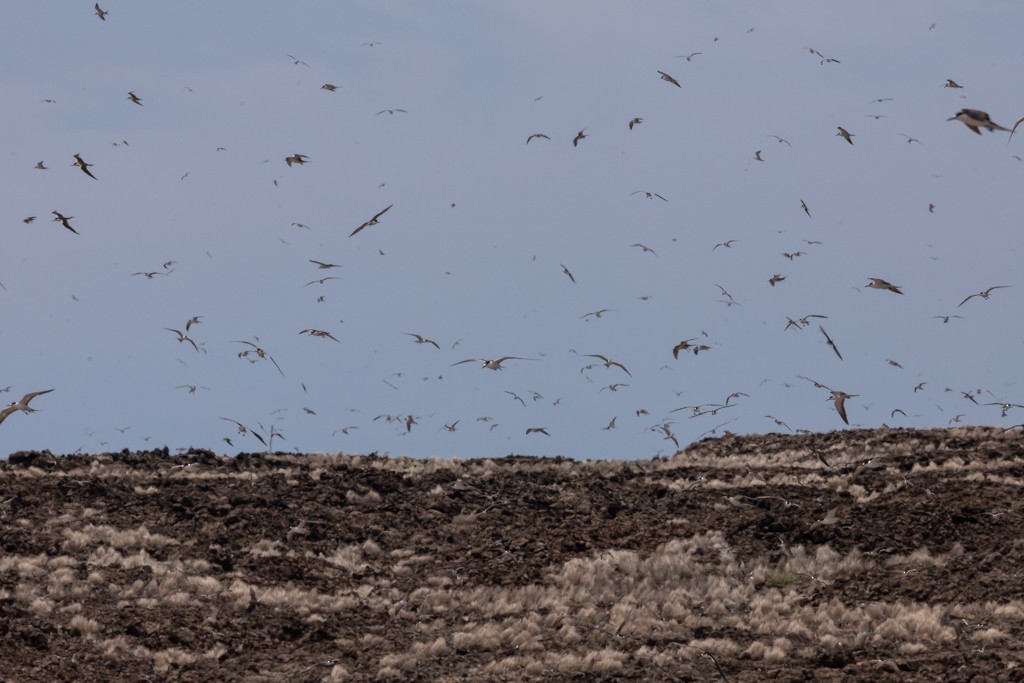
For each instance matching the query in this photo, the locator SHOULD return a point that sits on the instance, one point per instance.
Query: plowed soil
(881, 555)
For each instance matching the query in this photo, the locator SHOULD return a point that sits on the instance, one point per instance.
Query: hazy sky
(471, 253)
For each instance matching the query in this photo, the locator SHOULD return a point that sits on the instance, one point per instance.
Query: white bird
(22, 404)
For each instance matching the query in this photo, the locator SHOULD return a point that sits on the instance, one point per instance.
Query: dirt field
(883, 555)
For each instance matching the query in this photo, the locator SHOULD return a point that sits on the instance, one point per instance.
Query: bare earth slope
(882, 555)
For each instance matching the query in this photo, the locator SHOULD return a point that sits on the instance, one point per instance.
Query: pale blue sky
(475, 80)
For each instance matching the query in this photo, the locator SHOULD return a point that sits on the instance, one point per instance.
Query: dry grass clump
(77, 539)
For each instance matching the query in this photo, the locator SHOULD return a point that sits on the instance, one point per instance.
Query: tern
(420, 339)
(566, 271)
(391, 112)
(373, 221)
(319, 333)
(879, 283)
(635, 121)
(242, 429)
(845, 134)
(608, 362)
(983, 295)
(689, 56)
(668, 79)
(64, 221)
(80, 163)
(102, 14)
(134, 98)
(323, 266)
(22, 404)
(330, 87)
(838, 398)
(182, 337)
(537, 135)
(492, 364)
(803, 205)
(975, 119)
(537, 430)
(1019, 121)
(259, 353)
(579, 136)
(828, 340)
(296, 159)
(650, 195)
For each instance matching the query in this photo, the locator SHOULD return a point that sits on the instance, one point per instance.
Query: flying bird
(319, 333)
(776, 278)
(566, 271)
(373, 221)
(537, 135)
(635, 121)
(22, 404)
(537, 430)
(879, 283)
(64, 221)
(42, 166)
(950, 83)
(803, 205)
(727, 244)
(668, 79)
(845, 134)
(579, 136)
(134, 98)
(492, 364)
(298, 61)
(102, 14)
(646, 248)
(975, 119)
(391, 112)
(688, 57)
(182, 337)
(781, 140)
(838, 398)
(984, 295)
(330, 87)
(608, 362)
(296, 159)
(650, 195)
(420, 339)
(260, 353)
(80, 163)
(242, 429)
(323, 266)
(832, 344)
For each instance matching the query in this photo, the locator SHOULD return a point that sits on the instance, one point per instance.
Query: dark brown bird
(80, 163)
(64, 221)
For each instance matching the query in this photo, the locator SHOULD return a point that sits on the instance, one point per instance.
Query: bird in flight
(650, 195)
(102, 14)
(838, 399)
(182, 337)
(299, 159)
(595, 314)
(568, 274)
(579, 136)
(608, 362)
(260, 353)
(492, 364)
(646, 248)
(803, 205)
(537, 135)
(757, 156)
(845, 134)
(298, 61)
(323, 266)
(420, 339)
(879, 283)
(64, 221)
(330, 87)
(776, 278)
(832, 344)
(134, 98)
(688, 57)
(372, 221)
(242, 429)
(910, 139)
(668, 79)
(318, 333)
(80, 163)
(42, 166)
(391, 112)
(537, 430)
(975, 119)
(22, 404)
(984, 295)
(945, 318)
(950, 83)
(635, 121)
(727, 244)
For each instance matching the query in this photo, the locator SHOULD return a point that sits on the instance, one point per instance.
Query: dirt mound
(882, 555)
